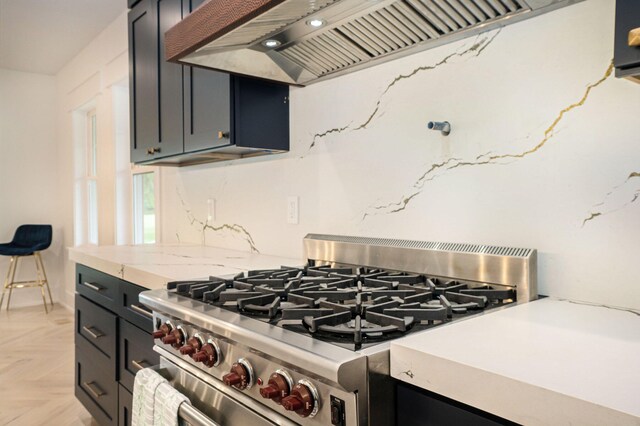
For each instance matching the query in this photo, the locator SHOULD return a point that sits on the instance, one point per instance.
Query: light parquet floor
(37, 369)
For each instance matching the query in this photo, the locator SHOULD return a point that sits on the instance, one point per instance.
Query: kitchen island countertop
(152, 266)
(546, 362)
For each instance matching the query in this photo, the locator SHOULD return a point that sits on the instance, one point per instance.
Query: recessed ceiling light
(271, 43)
(315, 23)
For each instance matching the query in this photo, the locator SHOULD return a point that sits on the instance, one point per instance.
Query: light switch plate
(293, 212)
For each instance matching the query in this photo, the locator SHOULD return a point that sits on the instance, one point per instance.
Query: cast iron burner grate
(344, 304)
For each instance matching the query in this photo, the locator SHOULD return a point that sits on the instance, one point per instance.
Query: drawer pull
(141, 311)
(92, 333)
(93, 286)
(139, 364)
(95, 390)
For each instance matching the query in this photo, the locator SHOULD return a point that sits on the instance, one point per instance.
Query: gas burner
(346, 304)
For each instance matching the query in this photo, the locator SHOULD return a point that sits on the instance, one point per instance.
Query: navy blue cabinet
(419, 407)
(155, 85)
(112, 341)
(184, 115)
(627, 34)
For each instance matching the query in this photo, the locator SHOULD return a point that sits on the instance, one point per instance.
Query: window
(137, 187)
(144, 208)
(91, 178)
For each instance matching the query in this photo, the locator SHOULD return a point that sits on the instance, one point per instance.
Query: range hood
(305, 41)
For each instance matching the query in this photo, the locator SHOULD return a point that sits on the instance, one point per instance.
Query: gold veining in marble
(601, 212)
(481, 43)
(484, 159)
(205, 226)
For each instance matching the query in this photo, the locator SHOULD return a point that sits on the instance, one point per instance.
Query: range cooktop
(350, 306)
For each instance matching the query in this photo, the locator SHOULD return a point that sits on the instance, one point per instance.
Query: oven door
(211, 404)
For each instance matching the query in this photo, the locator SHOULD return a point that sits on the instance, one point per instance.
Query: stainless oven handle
(194, 417)
(187, 412)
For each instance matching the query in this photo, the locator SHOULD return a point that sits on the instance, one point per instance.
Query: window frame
(138, 170)
(92, 224)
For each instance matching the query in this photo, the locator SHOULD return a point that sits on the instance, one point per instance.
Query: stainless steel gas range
(310, 344)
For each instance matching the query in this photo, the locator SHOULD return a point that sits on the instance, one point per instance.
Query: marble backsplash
(544, 153)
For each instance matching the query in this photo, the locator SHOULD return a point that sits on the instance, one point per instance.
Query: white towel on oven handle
(167, 404)
(155, 401)
(144, 393)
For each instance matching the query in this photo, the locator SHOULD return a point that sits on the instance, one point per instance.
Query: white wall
(28, 172)
(533, 153)
(96, 76)
(41, 120)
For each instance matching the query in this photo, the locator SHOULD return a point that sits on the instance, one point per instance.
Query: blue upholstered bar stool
(29, 240)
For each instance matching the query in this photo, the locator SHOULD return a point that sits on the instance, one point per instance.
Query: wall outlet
(293, 212)
(211, 210)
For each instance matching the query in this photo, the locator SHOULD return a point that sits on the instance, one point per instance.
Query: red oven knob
(240, 376)
(162, 331)
(303, 399)
(193, 345)
(176, 338)
(209, 354)
(278, 387)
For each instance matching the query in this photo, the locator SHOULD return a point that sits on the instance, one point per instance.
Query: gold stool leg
(44, 300)
(13, 276)
(7, 280)
(44, 274)
(40, 281)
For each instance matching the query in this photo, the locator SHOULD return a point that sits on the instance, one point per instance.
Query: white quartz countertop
(152, 266)
(546, 362)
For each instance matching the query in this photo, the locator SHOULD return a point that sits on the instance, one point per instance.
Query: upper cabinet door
(207, 109)
(169, 13)
(207, 104)
(155, 86)
(143, 81)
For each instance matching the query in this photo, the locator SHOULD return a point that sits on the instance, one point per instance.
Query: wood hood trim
(208, 22)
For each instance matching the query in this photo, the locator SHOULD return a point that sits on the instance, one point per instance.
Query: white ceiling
(41, 36)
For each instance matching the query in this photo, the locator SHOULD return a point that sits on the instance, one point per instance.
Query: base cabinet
(419, 407)
(113, 340)
(125, 402)
(95, 385)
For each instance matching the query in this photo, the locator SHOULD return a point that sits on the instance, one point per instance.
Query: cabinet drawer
(125, 402)
(96, 326)
(130, 308)
(97, 286)
(95, 384)
(136, 351)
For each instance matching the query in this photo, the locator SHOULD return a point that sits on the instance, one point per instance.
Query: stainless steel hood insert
(279, 43)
